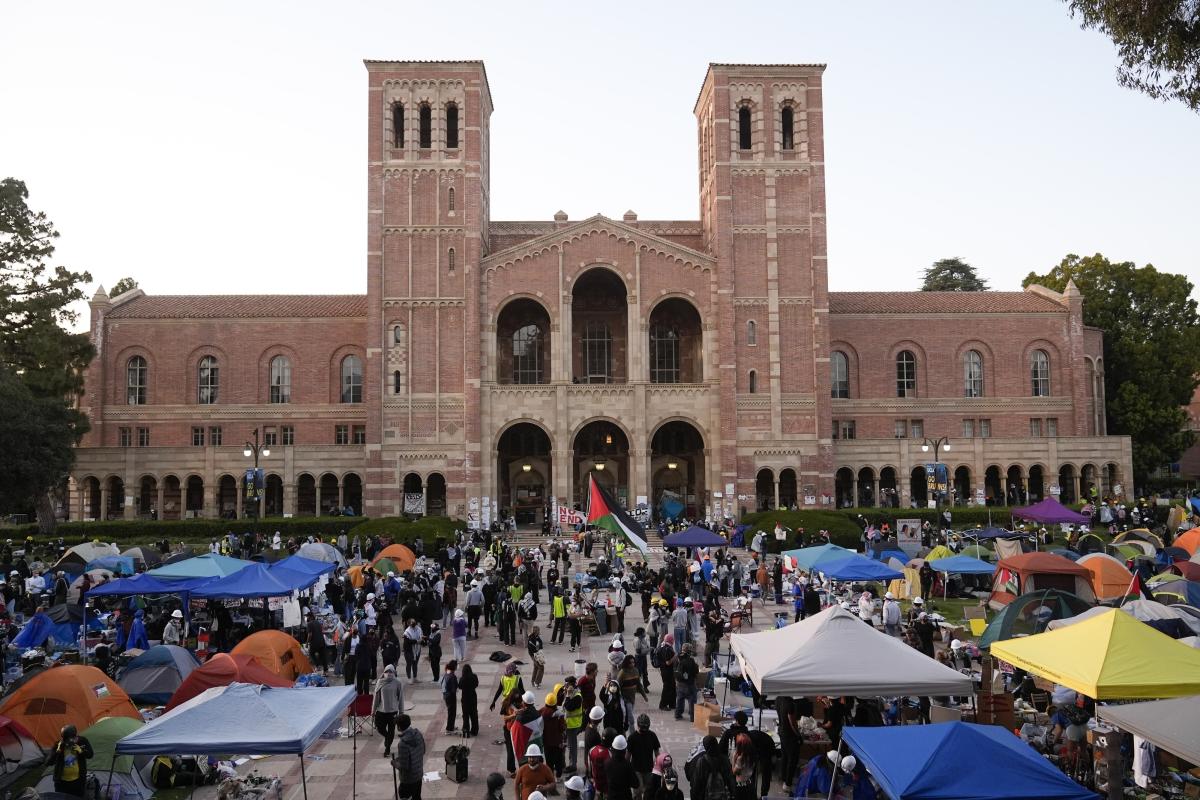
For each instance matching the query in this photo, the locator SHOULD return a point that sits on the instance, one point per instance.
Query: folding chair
(360, 719)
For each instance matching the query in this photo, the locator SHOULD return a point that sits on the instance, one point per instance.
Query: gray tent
(154, 676)
(1173, 725)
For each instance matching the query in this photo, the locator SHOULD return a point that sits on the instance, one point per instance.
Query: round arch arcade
(524, 473)
(677, 468)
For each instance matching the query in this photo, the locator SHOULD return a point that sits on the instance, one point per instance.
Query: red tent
(1031, 572)
(222, 670)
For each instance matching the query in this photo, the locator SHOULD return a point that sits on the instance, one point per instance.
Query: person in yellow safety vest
(570, 700)
(620, 559)
(510, 682)
(224, 546)
(559, 612)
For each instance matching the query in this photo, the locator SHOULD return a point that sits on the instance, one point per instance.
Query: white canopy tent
(836, 653)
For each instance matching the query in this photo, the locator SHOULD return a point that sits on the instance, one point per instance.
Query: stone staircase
(531, 536)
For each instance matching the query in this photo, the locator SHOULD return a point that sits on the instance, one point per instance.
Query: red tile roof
(239, 306)
(941, 303)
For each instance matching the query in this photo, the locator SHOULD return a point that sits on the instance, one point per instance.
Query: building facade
(495, 365)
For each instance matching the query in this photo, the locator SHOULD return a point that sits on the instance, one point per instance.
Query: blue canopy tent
(955, 760)
(145, 584)
(807, 557)
(883, 553)
(310, 566)
(210, 565)
(695, 536)
(1194, 502)
(855, 567)
(256, 580)
(962, 565)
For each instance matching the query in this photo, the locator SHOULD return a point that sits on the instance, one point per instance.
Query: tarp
(1030, 613)
(694, 536)
(856, 567)
(40, 628)
(154, 676)
(222, 670)
(962, 565)
(321, 551)
(209, 565)
(834, 653)
(885, 554)
(242, 718)
(1050, 511)
(256, 580)
(993, 533)
(74, 694)
(807, 557)
(1030, 572)
(958, 760)
(1172, 725)
(145, 584)
(276, 651)
(1110, 656)
(1110, 578)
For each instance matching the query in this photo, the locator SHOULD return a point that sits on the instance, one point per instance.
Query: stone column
(103, 501)
(289, 498)
(160, 499)
(239, 497)
(210, 510)
(1004, 487)
(318, 490)
(341, 495)
(566, 338)
(776, 484)
(875, 492)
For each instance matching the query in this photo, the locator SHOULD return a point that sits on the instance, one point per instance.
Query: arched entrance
(194, 499)
(91, 498)
(523, 343)
(962, 486)
(352, 489)
(866, 487)
(1016, 486)
(887, 487)
(764, 490)
(787, 488)
(116, 498)
(1089, 481)
(227, 497)
(273, 496)
(327, 491)
(602, 449)
(306, 496)
(524, 473)
(172, 499)
(1066, 484)
(676, 343)
(599, 335)
(148, 498)
(919, 488)
(991, 486)
(1112, 477)
(435, 495)
(677, 471)
(1037, 483)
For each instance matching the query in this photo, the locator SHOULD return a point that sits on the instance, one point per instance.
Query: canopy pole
(833, 770)
(111, 767)
(354, 753)
(303, 777)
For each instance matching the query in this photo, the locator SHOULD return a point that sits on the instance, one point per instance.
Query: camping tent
(1147, 611)
(1110, 578)
(131, 773)
(992, 533)
(807, 557)
(1050, 511)
(97, 576)
(958, 759)
(18, 749)
(979, 551)
(1029, 613)
(856, 567)
(79, 556)
(1180, 591)
(1139, 535)
(221, 670)
(961, 565)
(73, 694)
(320, 551)
(809, 658)
(242, 718)
(256, 580)
(1029, 572)
(400, 554)
(146, 556)
(1189, 540)
(209, 565)
(276, 651)
(154, 676)
(1172, 725)
(1110, 656)
(694, 536)
(117, 565)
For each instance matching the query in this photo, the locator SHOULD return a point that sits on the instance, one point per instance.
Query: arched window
(135, 381)
(972, 374)
(352, 378)
(751, 333)
(281, 380)
(208, 381)
(906, 374)
(398, 335)
(744, 128)
(398, 124)
(753, 381)
(450, 199)
(597, 353)
(425, 130)
(787, 121)
(396, 382)
(527, 354)
(450, 259)
(451, 126)
(1039, 373)
(839, 375)
(664, 354)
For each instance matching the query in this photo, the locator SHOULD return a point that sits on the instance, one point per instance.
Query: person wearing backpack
(686, 672)
(713, 775)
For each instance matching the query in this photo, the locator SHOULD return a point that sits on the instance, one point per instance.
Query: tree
(35, 346)
(37, 438)
(952, 275)
(122, 286)
(1158, 41)
(1151, 350)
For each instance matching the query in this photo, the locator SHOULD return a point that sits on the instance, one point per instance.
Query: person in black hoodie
(468, 698)
(433, 643)
(714, 775)
(69, 757)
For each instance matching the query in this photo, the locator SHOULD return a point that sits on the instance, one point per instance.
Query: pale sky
(221, 147)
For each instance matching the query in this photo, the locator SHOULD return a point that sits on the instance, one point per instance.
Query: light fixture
(608, 438)
(946, 447)
(527, 467)
(599, 463)
(266, 452)
(672, 464)
(247, 452)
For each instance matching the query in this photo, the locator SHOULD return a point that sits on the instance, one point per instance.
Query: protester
(387, 703)
(534, 775)
(450, 693)
(69, 758)
(410, 759)
(468, 698)
(713, 778)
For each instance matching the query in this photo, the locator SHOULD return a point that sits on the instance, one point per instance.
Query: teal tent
(210, 565)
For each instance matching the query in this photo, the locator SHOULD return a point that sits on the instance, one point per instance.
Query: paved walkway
(329, 763)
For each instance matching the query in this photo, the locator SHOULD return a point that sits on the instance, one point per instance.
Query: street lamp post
(256, 450)
(941, 444)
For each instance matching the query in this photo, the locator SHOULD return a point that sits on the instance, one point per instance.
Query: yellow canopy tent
(1110, 656)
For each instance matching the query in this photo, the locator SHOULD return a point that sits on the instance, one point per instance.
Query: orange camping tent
(68, 695)
(222, 670)
(1110, 578)
(1189, 540)
(276, 651)
(400, 554)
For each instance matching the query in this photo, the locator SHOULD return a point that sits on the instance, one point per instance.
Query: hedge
(186, 530)
(400, 529)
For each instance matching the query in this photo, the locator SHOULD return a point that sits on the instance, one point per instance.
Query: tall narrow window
(450, 259)
(752, 333)
(664, 354)
(972, 374)
(425, 127)
(744, 128)
(527, 354)
(135, 381)
(787, 120)
(839, 375)
(208, 381)
(397, 125)
(597, 353)
(281, 380)
(906, 374)
(352, 379)
(451, 126)
(1039, 373)
(398, 335)
(450, 199)
(753, 382)
(396, 382)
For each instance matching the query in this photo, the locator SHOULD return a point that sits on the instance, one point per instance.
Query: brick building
(498, 364)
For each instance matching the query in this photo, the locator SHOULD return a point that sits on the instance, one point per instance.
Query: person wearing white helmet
(891, 615)
(534, 777)
(622, 780)
(173, 630)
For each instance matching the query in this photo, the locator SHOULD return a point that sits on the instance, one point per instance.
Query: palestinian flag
(1137, 590)
(604, 512)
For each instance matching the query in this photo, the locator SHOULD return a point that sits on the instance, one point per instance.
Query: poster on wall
(487, 512)
(414, 503)
(908, 536)
(473, 514)
(496, 509)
